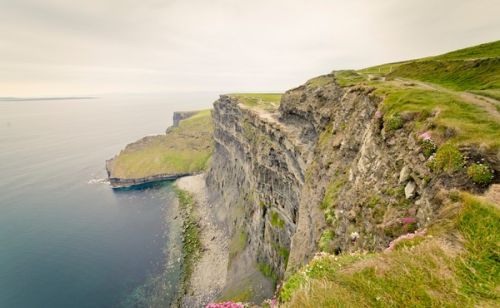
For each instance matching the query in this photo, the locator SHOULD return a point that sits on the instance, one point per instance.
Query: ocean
(66, 238)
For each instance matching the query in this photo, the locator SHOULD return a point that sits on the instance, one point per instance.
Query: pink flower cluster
(403, 237)
(378, 114)
(224, 305)
(408, 220)
(425, 135)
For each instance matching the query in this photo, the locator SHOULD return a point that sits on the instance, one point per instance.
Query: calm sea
(67, 239)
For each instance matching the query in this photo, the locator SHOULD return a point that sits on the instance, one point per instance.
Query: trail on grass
(484, 102)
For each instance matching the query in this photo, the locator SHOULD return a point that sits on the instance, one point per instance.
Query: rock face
(320, 173)
(259, 167)
(181, 115)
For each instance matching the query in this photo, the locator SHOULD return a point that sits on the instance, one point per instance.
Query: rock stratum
(377, 187)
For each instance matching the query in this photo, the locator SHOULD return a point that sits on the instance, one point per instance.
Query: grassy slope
(475, 69)
(182, 149)
(264, 101)
(454, 265)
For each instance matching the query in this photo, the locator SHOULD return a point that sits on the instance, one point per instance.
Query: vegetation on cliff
(454, 263)
(191, 244)
(183, 149)
(447, 105)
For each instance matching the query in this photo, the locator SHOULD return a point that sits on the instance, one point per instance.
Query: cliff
(346, 163)
(379, 185)
(183, 150)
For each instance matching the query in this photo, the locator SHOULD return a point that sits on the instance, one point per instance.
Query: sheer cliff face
(319, 173)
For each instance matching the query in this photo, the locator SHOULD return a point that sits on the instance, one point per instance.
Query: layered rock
(320, 173)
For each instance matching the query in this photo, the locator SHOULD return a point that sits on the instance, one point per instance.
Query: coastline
(209, 271)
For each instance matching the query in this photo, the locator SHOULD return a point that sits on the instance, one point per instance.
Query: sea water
(66, 238)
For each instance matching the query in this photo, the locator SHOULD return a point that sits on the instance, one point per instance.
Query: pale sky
(85, 47)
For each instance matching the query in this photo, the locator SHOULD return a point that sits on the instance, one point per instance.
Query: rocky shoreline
(209, 274)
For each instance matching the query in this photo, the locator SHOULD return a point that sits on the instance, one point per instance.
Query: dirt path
(209, 275)
(484, 102)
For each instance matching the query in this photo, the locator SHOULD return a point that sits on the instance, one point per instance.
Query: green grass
(462, 270)
(265, 101)
(487, 50)
(237, 295)
(471, 123)
(276, 221)
(191, 243)
(348, 77)
(268, 272)
(320, 81)
(495, 94)
(183, 149)
(237, 243)
(448, 159)
(460, 75)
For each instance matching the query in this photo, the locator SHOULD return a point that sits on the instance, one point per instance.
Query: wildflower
(224, 305)
(425, 135)
(408, 220)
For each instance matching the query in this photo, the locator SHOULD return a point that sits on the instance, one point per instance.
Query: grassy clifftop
(453, 96)
(183, 149)
(263, 101)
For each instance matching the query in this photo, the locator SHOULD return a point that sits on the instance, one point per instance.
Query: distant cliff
(184, 149)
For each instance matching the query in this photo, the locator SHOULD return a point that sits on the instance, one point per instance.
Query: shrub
(394, 122)
(448, 158)
(480, 174)
(329, 216)
(428, 147)
(325, 239)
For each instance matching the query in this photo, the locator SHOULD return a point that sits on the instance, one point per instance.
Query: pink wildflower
(425, 135)
(403, 237)
(224, 305)
(378, 114)
(408, 220)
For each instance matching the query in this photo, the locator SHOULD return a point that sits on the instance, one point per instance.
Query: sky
(88, 47)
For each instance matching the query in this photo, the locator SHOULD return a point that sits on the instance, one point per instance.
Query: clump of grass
(448, 158)
(276, 221)
(267, 271)
(282, 251)
(480, 174)
(332, 191)
(428, 147)
(393, 122)
(191, 247)
(325, 240)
